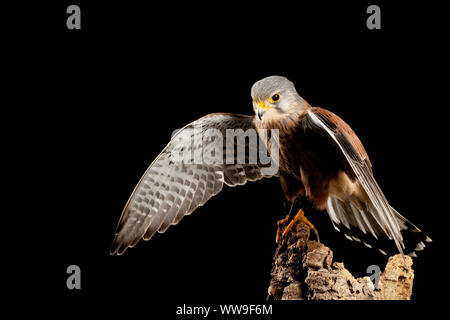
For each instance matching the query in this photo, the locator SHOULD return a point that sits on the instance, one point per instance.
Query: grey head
(276, 96)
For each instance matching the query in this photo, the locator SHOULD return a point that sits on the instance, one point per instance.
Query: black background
(98, 105)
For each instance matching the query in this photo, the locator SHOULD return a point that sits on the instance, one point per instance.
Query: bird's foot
(300, 216)
(281, 224)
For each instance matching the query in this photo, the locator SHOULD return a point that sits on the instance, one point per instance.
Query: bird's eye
(275, 98)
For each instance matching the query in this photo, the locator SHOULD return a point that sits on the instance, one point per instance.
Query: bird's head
(276, 97)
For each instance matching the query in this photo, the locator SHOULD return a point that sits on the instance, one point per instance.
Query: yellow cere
(262, 105)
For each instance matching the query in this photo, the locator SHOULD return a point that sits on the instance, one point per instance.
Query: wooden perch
(304, 269)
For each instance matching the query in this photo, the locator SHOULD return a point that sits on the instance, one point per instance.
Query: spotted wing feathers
(171, 189)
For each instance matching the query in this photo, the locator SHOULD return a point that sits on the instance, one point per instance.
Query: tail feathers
(415, 240)
(358, 222)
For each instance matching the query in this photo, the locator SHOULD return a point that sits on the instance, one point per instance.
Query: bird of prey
(320, 160)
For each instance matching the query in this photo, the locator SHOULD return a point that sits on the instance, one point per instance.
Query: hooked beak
(262, 108)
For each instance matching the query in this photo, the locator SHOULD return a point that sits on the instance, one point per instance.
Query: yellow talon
(300, 216)
(281, 223)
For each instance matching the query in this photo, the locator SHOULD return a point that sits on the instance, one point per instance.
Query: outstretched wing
(377, 216)
(190, 170)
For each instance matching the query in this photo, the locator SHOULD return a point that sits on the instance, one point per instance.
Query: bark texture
(304, 269)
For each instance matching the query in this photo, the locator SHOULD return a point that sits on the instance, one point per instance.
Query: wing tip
(118, 247)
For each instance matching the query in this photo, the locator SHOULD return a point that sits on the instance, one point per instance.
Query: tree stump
(303, 269)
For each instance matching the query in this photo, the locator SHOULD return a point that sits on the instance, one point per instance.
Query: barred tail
(362, 225)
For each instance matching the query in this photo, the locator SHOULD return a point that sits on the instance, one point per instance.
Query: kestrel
(321, 164)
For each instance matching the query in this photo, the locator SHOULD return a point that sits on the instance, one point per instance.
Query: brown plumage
(311, 164)
(322, 159)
